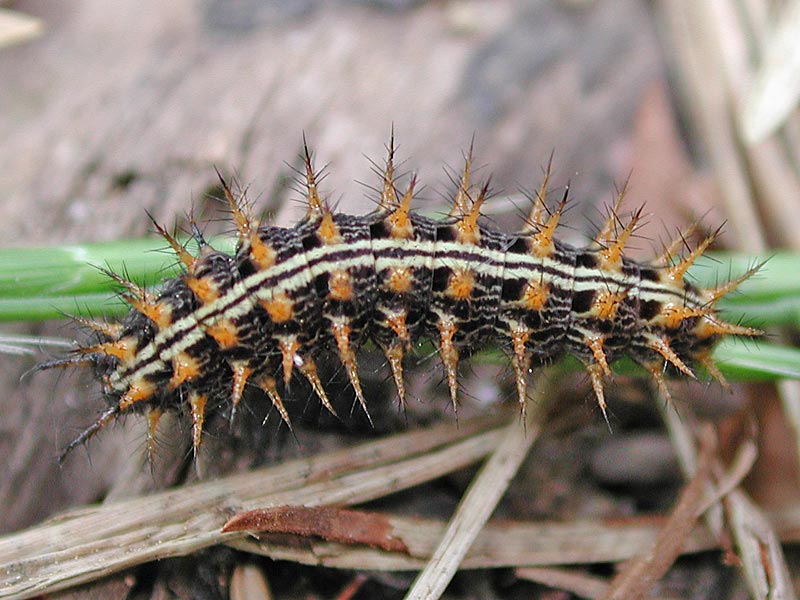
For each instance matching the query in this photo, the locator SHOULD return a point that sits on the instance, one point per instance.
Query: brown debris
(331, 524)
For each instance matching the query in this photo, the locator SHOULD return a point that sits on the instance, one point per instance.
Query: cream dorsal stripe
(332, 282)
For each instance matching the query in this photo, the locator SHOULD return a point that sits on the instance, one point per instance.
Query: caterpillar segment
(290, 296)
(459, 300)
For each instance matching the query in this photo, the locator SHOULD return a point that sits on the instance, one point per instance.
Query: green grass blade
(769, 298)
(47, 283)
(751, 360)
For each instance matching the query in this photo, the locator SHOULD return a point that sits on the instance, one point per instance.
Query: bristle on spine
(291, 296)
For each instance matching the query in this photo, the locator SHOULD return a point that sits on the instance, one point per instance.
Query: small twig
(478, 504)
(640, 574)
(729, 480)
(763, 563)
(326, 522)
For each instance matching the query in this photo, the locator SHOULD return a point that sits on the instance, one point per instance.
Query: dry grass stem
(683, 442)
(763, 569)
(712, 48)
(715, 43)
(704, 85)
(640, 574)
(772, 170)
(249, 583)
(776, 88)
(479, 503)
(763, 562)
(729, 480)
(91, 543)
(790, 402)
(16, 27)
(499, 544)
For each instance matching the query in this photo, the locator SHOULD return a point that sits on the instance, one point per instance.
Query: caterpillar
(334, 281)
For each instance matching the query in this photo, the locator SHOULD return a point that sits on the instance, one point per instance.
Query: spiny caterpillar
(334, 281)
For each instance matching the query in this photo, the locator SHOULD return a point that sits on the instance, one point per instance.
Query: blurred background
(108, 110)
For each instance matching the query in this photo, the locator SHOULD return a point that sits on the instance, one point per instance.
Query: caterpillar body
(334, 281)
